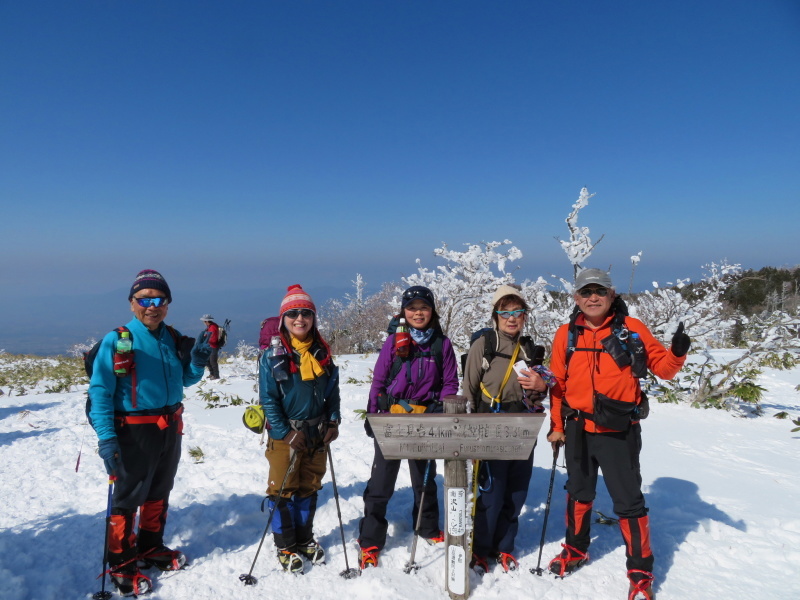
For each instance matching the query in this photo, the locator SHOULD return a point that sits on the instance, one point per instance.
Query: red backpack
(270, 327)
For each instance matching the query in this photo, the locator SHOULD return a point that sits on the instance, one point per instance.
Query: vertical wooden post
(455, 500)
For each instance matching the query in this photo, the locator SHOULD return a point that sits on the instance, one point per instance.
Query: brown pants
(306, 477)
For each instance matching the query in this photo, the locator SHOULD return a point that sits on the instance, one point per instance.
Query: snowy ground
(723, 493)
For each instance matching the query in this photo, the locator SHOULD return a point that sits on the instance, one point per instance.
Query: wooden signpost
(456, 437)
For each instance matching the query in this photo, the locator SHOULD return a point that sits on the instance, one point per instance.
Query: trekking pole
(103, 594)
(247, 578)
(410, 565)
(538, 570)
(348, 573)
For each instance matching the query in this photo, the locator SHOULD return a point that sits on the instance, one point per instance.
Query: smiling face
(299, 326)
(150, 316)
(595, 308)
(418, 314)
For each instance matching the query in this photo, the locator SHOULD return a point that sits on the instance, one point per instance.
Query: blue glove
(109, 451)
(201, 351)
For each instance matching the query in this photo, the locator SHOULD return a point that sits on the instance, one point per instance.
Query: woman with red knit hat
(299, 391)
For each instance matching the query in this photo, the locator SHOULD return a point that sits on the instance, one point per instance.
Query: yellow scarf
(309, 366)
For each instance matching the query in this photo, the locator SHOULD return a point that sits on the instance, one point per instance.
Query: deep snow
(722, 490)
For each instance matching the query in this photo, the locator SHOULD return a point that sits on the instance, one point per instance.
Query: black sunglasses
(146, 302)
(588, 292)
(295, 312)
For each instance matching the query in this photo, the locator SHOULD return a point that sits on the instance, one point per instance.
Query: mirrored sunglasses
(295, 312)
(587, 292)
(507, 314)
(426, 295)
(147, 302)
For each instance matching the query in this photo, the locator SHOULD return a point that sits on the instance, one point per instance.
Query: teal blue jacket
(295, 399)
(160, 377)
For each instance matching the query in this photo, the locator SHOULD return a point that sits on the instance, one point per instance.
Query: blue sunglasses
(147, 302)
(507, 314)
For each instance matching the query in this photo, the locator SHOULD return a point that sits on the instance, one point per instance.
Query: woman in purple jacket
(417, 382)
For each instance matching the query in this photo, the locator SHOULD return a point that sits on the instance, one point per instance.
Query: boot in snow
(479, 564)
(507, 561)
(163, 558)
(437, 539)
(312, 552)
(570, 560)
(641, 587)
(290, 561)
(368, 557)
(129, 581)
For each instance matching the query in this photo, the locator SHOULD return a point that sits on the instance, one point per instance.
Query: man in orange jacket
(597, 403)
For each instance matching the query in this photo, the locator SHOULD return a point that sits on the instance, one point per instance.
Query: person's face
(515, 321)
(418, 314)
(299, 322)
(150, 316)
(594, 307)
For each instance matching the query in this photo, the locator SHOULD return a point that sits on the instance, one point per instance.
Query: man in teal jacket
(136, 407)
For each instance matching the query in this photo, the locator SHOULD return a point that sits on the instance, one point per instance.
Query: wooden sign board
(485, 436)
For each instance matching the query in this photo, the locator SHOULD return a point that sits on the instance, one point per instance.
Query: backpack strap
(496, 399)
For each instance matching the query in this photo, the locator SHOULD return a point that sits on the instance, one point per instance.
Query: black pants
(213, 363)
(617, 455)
(372, 529)
(146, 470)
(504, 486)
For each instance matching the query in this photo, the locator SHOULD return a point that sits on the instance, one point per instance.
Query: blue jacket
(160, 377)
(295, 399)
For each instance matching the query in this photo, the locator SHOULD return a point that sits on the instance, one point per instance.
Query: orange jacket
(591, 372)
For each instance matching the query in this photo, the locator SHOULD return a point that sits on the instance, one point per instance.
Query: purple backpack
(270, 327)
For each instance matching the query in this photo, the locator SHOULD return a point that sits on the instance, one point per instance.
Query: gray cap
(206, 318)
(596, 276)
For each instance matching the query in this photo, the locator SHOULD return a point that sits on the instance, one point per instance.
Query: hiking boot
(507, 561)
(163, 558)
(641, 587)
(129, 581)
(312, 552)
(570, 560)
(368, 557)
(437, 539)
(290, 561)
(479, 565)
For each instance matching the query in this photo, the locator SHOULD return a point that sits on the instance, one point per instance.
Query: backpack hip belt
(162, 420)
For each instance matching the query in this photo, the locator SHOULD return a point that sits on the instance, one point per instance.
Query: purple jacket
(419, 380)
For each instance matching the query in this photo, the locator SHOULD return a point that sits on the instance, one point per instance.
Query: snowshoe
(507, 561)
(312, 552)
(290, 561)
(368, 557)
(129, 581)
(163, 558)
(570, 560)
(437, 539)
(479, 565)
(641, 587)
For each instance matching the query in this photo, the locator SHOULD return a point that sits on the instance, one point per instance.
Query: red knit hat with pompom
(296, 297)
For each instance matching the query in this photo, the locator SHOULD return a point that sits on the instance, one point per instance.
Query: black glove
(331, 432)
(297, 440)
(109, 451)
(201, 351)
(680, 341)
(368, 429)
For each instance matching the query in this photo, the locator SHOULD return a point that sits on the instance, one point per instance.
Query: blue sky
(250, 144)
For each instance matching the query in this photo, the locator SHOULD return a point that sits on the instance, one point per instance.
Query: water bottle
(638, 356)
(123, 354)
(279, 359)
(402, 340)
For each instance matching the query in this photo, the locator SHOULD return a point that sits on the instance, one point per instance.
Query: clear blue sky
(242, 144)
